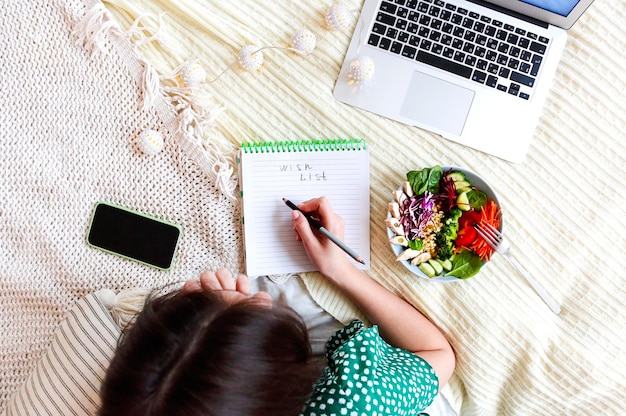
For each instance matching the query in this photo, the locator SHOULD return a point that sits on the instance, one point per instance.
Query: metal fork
(495, 239)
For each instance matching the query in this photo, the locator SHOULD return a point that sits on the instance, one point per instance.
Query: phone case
(167, 226)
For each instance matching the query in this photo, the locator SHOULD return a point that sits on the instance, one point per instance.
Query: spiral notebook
(298, 171)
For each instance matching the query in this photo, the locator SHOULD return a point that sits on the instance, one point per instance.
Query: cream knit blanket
(74, 96)
(75, 91)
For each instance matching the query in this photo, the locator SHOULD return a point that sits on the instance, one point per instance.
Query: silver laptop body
(474, 72)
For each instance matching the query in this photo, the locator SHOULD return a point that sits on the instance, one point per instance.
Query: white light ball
(338, 17)
(193, 75)
(250, 58)
(150, 142)
(361, 69)
(303, 42)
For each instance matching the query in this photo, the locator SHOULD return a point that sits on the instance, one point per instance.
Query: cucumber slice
(447, 264)
(462, 201)
(436, 266)
(458, 185)
(456, 176)
(427, 269)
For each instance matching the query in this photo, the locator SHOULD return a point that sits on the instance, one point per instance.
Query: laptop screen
(561, 13)
(562, 7)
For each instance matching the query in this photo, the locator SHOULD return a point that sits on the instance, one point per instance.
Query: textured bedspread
(77, 89)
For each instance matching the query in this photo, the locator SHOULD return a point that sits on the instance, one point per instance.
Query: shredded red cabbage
(416, 213)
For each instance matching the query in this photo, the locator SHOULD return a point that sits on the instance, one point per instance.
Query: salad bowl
(458, 199)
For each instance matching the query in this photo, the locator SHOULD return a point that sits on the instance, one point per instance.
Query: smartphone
(133, 235)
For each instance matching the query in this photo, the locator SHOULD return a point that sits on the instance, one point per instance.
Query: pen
(324, 231)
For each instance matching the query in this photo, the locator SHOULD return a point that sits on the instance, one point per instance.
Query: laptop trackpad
(437, 103)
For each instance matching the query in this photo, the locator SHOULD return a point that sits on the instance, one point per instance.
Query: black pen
(324, 231)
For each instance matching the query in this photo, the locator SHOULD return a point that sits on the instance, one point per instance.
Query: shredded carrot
(491, 215)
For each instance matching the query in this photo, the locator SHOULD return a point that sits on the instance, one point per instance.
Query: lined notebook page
(266, 177)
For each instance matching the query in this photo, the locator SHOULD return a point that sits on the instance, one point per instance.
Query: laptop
(475, 72)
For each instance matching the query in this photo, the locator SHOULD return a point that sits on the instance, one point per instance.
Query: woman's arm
(400, 324)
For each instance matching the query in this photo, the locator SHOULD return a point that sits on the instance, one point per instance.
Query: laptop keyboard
(462, 42)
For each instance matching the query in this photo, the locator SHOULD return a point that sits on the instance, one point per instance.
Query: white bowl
(477, 182)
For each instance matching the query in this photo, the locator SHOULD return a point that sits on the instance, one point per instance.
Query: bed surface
(71, 113)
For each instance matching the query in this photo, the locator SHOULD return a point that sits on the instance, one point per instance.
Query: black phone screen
(133, 235)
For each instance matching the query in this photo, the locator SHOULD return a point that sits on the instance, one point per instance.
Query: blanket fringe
(195, 116)
(150, 85)
(190, 102)
(92, 29)
(140, 31)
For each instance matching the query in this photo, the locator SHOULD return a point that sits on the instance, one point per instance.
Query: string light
(150, 142)
(303, 42)
(193, 75)
(361, 70)
(250, 58)
(338, 17)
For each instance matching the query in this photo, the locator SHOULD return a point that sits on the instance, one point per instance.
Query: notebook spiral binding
(304, 146)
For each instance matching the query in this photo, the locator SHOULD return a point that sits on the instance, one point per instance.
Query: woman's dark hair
(192, 353)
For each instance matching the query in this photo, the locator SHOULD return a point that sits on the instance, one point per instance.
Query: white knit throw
(74, 97)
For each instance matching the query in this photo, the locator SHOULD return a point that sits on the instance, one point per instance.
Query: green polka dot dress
(366, 376)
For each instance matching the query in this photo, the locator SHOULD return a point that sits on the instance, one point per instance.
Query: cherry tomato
(468, 219)
(466, 236)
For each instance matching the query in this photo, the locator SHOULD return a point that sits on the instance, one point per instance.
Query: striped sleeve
(67, 379)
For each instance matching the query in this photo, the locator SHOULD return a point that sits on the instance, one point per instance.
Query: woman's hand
(233, 290)
(329, 259)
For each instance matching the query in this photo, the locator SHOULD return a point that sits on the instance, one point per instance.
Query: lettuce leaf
(427, 179)
(465, 264)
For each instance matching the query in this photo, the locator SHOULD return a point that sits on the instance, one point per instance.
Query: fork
(496, 240)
